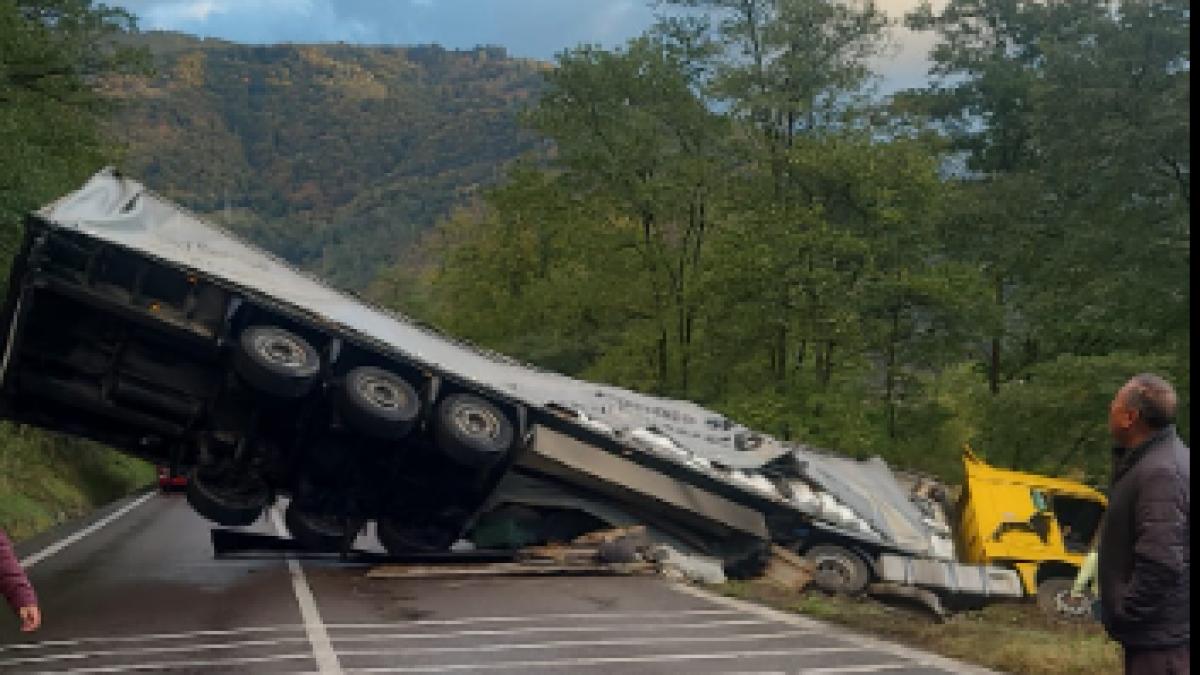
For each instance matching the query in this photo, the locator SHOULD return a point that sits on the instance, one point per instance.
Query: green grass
(46, 479)
(1013, 637)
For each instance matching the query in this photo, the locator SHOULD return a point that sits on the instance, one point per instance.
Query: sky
(526, 28)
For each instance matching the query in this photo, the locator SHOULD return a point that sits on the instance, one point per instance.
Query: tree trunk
(994, 366)
(662, 362)
(890, 376)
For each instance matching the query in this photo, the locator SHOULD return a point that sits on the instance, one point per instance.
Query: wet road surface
(141, 592)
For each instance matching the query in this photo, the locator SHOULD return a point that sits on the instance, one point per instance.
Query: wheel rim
(835, 572)
(281, 350)
(1068, 605)
(477, 422)
(382, 392)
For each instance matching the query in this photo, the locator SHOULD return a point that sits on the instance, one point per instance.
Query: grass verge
(1013, 637)
(46, 479)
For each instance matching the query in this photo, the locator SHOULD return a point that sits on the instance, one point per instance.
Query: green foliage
(51, 54)
(46, 478)
(1048, 419)
(335, 157)
(832, 282)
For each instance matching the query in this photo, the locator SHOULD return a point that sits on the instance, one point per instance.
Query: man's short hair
(1153, 398)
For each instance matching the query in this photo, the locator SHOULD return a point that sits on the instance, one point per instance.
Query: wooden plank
(504, 569)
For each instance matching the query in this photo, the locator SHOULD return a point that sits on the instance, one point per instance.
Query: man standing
(1144, 546)
(15, 587)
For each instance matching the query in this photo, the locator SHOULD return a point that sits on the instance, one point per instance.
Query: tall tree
(53, 54)
(631, 126)
(789, 66)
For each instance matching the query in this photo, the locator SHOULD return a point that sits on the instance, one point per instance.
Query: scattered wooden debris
(593, 553)
(788, 570)
(447, 571)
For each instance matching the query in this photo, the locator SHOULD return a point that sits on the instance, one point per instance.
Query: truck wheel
(1048, 592)
(472, 431)
(412, 535)
(379, 404)
(231, 505)
(316, 532)
(277, 362)
(838, 570)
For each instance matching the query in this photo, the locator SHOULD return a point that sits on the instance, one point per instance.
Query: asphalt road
(135, 588)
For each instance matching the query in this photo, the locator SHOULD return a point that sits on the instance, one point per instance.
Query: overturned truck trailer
(133, 322)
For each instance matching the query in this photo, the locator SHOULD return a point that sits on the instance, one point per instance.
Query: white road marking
(375, 637)
(561, 644)
(174, 665)
(413, 651)
(67, 541)
(600, 661)
(148, 638)
(541, 617)
(138, 651)
(831, 670)
(411, 624)
(322, 649)
(915, 656)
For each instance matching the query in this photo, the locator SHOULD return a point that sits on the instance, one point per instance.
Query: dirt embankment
(46, 479)
(1013, 637)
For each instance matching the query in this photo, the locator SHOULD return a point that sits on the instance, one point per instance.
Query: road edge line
(35, 558)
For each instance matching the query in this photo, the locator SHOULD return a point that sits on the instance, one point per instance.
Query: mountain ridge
(335, 157)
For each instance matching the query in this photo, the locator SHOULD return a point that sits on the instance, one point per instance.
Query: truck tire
(315, 532)
(276, 362)
(400, 536)
(472, 431)
(379, 404)
(838, 570)
(231, 506)
(1048, 591)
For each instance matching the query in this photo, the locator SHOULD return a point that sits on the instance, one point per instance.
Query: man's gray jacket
(1144, 559)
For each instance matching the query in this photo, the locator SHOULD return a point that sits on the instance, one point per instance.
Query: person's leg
(1169, 661)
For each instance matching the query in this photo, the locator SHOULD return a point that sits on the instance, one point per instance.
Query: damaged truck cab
(1039, 526)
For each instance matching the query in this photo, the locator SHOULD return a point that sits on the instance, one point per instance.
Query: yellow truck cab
(1042, 527)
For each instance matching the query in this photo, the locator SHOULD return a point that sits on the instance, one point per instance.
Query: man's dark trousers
(1168, 661)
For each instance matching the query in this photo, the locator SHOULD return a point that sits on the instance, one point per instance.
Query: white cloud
(180, 14)
(172, 13)
(612, 20)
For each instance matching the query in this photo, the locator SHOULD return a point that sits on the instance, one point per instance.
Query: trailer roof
(122, 211)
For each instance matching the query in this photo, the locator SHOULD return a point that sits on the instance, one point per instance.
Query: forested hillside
(333, 156)
(729, 219)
